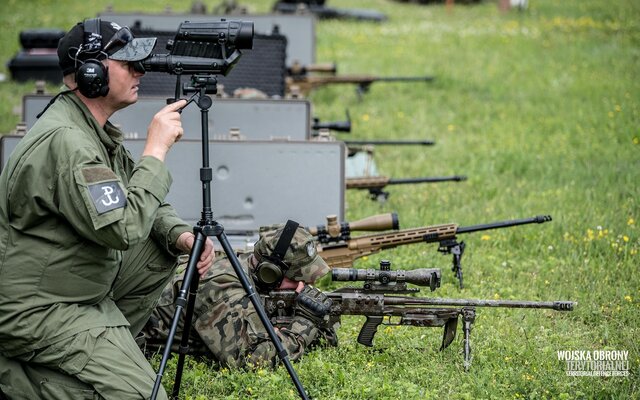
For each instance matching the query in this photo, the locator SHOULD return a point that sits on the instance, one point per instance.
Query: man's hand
(164, 130)
(312, 304)
(185, 243)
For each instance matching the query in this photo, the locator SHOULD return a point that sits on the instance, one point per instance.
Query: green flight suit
(86, 246)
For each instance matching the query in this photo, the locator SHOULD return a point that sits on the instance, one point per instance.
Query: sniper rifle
(320, 130)
(318, 8)
(304, 84)
(373, 301)
(342, 254)
(375, 184)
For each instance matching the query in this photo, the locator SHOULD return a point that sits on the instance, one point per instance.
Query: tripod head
(200, 82)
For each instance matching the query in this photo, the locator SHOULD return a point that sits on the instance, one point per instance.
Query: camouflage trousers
(104, 362)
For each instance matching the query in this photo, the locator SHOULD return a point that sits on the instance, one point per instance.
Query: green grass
(541, 110)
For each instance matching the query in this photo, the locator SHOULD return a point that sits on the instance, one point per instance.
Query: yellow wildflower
(631, 221)
(625, 238)
(365, 117)
(628, 298)
(451, 127)
(485, 237)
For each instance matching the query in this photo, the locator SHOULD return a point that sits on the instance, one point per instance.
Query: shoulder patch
(107, 196)
(98, 174)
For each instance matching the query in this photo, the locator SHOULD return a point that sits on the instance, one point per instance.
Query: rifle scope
(203, 48)
(337, 231)
(420, 277)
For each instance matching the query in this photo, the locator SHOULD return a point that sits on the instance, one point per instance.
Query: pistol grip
(369, 329)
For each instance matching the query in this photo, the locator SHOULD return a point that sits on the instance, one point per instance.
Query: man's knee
(21, 381)
(146, 269)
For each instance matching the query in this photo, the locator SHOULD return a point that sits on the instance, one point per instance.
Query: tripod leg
(186, 331)
(190, 274)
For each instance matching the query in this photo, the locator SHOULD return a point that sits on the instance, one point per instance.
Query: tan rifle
(344, 253)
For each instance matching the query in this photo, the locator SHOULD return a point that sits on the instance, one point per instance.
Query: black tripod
(201, 86)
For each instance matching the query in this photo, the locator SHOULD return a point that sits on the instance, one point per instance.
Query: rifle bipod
(201, 86)
(468, 318)
(452, 246)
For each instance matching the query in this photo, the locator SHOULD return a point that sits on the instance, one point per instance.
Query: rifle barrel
(340, 126)
(504, 224)
(405, 78)
(428, 179)
(554, 305)
(391, 142)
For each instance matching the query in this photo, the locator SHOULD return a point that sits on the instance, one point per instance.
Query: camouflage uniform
(227, 327)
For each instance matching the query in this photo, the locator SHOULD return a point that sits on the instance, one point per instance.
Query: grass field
(541, 110)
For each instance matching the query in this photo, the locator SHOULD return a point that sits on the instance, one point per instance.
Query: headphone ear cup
(92, 78)
(268, 274)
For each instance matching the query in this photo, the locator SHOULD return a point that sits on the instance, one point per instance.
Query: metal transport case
(255, 183)
(259, 119)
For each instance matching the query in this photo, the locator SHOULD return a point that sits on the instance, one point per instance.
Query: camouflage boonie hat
(302, 256)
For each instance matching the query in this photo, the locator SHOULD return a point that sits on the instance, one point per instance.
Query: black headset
(92, 76)
(270, 271)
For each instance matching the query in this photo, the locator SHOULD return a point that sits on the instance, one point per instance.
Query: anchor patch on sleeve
(107, 196)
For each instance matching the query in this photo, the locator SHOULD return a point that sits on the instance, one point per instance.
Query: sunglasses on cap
(121, 38)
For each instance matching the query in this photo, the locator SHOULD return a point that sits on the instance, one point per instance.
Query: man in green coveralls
(87, 243)
(225, 325)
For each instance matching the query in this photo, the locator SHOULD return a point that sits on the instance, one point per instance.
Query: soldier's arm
(100, 206)
(167, 227)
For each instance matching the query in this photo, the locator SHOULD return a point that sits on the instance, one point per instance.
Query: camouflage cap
(113, 42)
(302, 256)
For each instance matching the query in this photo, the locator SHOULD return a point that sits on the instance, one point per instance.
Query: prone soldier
(227, 327)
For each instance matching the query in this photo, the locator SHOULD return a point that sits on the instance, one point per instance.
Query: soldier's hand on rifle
(312, 304)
